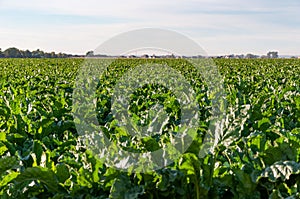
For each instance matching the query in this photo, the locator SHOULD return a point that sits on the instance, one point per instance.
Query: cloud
(76, 7)
(137, 8)
(221, 26)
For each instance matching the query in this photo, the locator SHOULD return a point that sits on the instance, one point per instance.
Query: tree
(37, 54)
(90, 54)
(27, 54)
(251, 56)
(1, 54)
(53, 55)
(16, 53)
(12, 53)
(272, 54)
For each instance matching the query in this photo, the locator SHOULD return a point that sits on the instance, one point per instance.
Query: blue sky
(219, 26)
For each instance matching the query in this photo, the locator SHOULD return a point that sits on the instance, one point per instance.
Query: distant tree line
(16, 53)
(91, 54)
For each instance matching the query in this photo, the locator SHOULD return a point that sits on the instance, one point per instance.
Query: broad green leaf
(8, 178)
(3, 148)
(190, 164)
(62, 172)
(44, 175)
(2, 136)
(7, 163)
(282, 170)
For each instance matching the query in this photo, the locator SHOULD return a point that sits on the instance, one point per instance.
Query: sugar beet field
(256, 154)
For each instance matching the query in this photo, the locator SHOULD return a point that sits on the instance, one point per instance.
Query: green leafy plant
(254, 153)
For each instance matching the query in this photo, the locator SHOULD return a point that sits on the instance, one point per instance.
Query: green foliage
(256, 153)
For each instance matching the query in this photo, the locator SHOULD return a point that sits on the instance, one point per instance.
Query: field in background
(257, 155)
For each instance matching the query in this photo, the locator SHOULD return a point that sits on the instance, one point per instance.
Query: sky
(218, 26)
